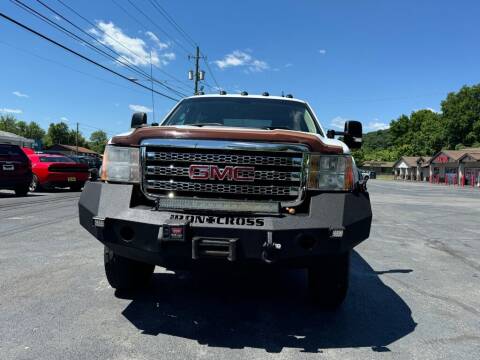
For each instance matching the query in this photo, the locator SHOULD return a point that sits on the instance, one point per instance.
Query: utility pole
(76, 140)
(198, 74)
(151, 78)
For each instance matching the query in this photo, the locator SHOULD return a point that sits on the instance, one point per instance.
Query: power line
(6, 17)
(142, 25)
(157, 26)
(93, 47)
(116, 40)
(68, 67)
(172, 21)
(185, 35)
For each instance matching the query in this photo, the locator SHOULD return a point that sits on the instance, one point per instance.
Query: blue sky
(366, 60)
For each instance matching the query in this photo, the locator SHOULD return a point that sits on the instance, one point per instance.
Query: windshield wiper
(205, 124)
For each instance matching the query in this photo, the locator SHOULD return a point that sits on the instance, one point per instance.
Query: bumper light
(330, 172)
(121, 164)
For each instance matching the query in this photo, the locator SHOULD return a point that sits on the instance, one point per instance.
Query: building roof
(81, 149)
(381, 164)
(8, 136)
(457, 155)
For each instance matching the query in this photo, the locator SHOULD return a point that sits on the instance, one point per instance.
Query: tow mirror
(352, 134)
(139, 119)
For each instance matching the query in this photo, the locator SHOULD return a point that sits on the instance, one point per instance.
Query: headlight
(121, 164)
(330, 172)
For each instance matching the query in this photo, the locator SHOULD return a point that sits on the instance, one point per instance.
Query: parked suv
(230, 180)
(15, 169)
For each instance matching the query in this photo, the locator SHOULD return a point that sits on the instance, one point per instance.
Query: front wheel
(35, 184)
(126, 274)
(328, 280)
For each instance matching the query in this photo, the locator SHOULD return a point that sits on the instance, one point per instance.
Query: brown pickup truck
(230, 180)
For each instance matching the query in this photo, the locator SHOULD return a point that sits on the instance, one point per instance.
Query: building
(380, 167)
(459, 167)
(72, 150)
(411, 168)
(456, 167)
(10, 138)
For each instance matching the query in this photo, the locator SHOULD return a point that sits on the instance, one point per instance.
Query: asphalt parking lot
(415, 291)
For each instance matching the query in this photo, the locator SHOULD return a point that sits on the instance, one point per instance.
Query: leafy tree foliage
(426, 132)
(29, 130)
(98, 140)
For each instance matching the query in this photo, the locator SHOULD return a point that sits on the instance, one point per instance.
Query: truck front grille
(273, 175)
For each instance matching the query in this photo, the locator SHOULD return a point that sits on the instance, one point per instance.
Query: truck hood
(314, 142)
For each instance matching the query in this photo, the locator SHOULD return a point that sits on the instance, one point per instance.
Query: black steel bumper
(138, 232)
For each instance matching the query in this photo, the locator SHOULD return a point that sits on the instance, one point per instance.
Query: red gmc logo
(213, 172)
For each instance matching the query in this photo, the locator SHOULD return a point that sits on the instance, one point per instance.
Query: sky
(369, 60)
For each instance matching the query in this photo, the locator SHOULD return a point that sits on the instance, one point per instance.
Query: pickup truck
(230, 180)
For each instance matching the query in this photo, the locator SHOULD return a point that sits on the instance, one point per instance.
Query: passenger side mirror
(352, 134)
(139, 119)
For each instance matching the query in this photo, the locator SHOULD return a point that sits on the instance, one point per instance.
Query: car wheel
(328, 280)
(34, 185)
(365, 178)
(22, 190)
(126, 274)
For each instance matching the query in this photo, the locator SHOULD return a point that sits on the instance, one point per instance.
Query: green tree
(461, 113)
(8, 123)
(58, 134)
(98, 140)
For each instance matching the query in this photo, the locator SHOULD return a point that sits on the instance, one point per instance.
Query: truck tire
(328, 280)
(22, 190)
(126, 274)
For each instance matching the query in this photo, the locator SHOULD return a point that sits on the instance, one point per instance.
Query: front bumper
(136, 232)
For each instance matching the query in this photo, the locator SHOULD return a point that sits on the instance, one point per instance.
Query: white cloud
(377, 125)
(56, 17)
(140, 108)
(19, 94)
(241, 59)
(338, 122)
(10, 111)
(133, 50)
(322, 51)
(156, 40)
(64, 119)
(288, 65)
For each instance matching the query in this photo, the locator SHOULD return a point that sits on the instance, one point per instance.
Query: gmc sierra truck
(230, 180)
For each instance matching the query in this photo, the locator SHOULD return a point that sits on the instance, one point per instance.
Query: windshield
(246, 113)
(55, 159)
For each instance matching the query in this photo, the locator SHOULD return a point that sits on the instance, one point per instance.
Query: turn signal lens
(121, 164)
(330, 172)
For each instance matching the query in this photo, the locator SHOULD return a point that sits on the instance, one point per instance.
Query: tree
(8, 123)
(98, 140)
(461, 112)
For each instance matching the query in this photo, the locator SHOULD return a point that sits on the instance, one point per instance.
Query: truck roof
(246, 96)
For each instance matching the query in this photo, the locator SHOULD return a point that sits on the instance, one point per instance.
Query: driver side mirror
(352, 134)
(139, 119)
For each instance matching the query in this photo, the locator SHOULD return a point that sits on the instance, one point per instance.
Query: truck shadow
(270, 311)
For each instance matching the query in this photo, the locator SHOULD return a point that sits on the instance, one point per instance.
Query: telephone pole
(76, 140)
(151, 78)
(198, 74)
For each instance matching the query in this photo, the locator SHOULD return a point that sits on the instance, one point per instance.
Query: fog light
(336, 233)
(99, 222)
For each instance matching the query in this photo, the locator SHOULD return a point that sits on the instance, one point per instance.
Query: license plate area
(71, 179)
(175, 231)
(8, 167)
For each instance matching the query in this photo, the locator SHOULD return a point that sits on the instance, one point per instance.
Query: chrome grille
(278, 175)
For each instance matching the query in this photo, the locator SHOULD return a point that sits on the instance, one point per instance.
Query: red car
(56, 170)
